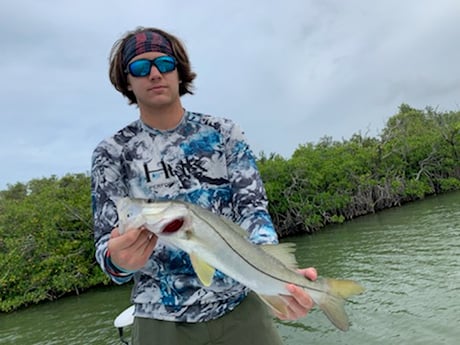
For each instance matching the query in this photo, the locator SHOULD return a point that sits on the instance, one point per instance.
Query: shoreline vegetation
(46, 238)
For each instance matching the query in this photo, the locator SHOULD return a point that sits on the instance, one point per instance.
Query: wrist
(115, 270)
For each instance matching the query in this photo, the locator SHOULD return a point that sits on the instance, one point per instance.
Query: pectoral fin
(277, 303)
(202, 269)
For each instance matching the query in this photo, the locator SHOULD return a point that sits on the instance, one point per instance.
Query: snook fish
(214, 242)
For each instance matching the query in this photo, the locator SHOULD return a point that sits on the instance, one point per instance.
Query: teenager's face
(157, 89)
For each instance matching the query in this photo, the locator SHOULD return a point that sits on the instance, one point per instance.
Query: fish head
(161, 217)
(129, 213)
(168, 220)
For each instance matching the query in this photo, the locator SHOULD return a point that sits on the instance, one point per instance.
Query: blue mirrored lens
(142, 67)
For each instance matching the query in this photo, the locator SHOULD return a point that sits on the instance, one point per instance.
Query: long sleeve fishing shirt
(205, 160)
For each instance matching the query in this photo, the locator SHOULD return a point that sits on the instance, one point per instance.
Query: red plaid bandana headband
(143, 42)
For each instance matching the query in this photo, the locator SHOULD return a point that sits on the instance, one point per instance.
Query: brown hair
(117, 70)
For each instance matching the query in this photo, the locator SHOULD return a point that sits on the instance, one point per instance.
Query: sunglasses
(142, 67)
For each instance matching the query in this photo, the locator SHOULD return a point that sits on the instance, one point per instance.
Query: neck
(163, 117)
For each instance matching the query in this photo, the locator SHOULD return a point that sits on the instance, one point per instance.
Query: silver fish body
(214, 242)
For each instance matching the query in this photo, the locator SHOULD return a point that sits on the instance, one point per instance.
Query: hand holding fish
(299, 302)
(132, 249)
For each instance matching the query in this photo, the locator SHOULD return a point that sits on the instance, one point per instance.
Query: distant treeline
(417, 154)
(46, 240)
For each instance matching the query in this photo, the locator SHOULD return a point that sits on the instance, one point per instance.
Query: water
(76, 320)
(408, 259)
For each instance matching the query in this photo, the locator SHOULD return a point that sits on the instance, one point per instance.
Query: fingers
(151, 244)
(128, 239)
(142, 240)
(132, 249)
(295, 309)
(299, 302)
(145, 243)
(302, 298)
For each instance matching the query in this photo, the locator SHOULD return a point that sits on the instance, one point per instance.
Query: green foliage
(417, 154)
(46, 244)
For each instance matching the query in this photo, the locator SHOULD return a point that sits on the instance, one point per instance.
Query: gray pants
(248, 324)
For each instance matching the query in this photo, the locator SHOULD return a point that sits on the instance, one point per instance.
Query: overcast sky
(289, 72)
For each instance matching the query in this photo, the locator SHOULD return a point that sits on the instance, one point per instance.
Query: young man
(172, 153)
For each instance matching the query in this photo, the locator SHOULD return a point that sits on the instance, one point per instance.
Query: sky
(288, 72)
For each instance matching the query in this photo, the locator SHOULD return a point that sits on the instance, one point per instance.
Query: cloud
(288, 72)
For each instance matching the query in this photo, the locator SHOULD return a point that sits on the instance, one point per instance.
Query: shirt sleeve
(248, 193)
(106, 183)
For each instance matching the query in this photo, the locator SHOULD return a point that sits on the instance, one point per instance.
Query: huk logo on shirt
(163, 174)
(166, 174)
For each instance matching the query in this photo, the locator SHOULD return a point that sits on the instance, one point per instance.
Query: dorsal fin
(284, 252)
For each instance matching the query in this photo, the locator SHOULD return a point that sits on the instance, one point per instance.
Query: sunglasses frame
(153, 62)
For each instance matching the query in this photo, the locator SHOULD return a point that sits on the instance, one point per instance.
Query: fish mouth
(165, 218)
(173, 226)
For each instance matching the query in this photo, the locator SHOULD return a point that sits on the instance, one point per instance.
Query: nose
(154, 72)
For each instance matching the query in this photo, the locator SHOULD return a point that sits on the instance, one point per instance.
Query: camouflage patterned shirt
(205, 160)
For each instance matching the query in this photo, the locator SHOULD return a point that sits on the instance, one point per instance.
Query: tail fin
(331, 303)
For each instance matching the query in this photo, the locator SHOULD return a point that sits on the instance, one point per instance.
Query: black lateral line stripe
(244, 259)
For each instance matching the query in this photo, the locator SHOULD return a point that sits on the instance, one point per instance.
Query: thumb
(309, 273)
(115, 233)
